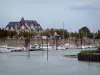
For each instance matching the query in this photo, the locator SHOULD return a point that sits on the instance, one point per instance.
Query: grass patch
(89, 52)
(71, 56)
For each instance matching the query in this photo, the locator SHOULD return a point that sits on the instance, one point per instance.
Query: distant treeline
(83, 32)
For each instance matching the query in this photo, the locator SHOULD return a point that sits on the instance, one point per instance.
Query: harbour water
(19, 63)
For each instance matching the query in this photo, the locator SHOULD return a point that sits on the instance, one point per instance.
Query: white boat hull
(45, 47)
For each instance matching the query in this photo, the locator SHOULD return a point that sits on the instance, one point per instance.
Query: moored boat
(4, 49)
(46, 46)
(35, 48)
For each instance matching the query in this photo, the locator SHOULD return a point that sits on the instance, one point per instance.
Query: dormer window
(15, 26)
(36, 27)
(32, 26)
(39, 27)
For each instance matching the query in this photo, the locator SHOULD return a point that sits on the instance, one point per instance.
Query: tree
(52, 31)
(5, 35)
(98, 35)
(9, 33)
(61, 31)
(84, 31)
(1, 33)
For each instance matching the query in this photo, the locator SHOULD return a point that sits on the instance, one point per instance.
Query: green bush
(89, 52)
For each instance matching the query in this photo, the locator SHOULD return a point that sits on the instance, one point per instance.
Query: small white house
(44, 37)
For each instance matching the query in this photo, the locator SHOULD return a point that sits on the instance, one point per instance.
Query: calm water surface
(18, 63)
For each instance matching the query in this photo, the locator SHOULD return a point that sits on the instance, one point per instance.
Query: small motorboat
(35, 48)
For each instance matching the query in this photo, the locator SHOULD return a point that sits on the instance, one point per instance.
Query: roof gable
(12, 24)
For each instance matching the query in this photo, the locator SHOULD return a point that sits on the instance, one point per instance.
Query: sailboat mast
(93, 35)
(69, 35)
(63, 33)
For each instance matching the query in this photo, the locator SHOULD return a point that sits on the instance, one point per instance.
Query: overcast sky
(52, 13)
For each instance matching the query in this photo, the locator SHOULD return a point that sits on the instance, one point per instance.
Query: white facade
(22, 27)
(7, 28)
(44, 37)
(12, 29)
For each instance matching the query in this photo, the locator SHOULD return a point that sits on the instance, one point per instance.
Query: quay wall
(39, 41)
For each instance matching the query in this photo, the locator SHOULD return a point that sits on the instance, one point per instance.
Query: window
(22, 27)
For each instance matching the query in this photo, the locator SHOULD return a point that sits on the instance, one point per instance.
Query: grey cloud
(86, 5)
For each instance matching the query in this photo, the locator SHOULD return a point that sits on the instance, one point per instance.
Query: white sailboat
(61, 47)
(4, 49)
(46, 46)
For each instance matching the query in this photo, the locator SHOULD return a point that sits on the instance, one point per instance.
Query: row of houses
(24, 25)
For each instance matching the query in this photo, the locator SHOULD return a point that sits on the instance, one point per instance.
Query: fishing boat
(4, 49)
